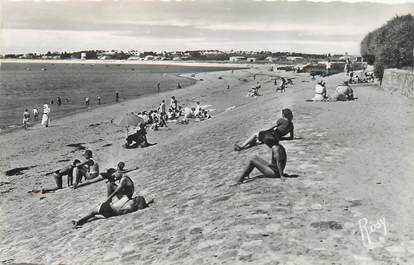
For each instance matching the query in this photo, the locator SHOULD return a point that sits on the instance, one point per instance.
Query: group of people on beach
(343, 92)
(119, 189)
(45, 116)
(154, 119)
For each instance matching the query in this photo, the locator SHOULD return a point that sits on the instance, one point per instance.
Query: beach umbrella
(128, 120)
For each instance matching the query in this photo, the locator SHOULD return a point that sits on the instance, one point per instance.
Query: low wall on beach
(401, 81)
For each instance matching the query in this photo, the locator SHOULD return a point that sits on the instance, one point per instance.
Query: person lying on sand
(138, 139)
(88, 169)
(58, 176)
(125, 187)
(108, 209)
(277, 164)
(283, 126)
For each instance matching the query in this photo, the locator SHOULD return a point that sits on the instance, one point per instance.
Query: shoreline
(33, 124)
(71, 111)
(224, 64)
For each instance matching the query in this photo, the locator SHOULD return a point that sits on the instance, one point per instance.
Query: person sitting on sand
(138, 139)
(283, 127)
(125, 187)
(58, 176)
(88, 169)
(320, 91)
(277, 164)
(173, 103)
(110, 209)
(343, 92)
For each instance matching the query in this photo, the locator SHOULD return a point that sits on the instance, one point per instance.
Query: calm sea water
(29, 85)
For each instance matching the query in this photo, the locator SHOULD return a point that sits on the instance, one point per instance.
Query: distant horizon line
(172, 51)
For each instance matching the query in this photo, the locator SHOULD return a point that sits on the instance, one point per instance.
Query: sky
(294, 26)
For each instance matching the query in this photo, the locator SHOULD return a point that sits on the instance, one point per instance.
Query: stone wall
(400, 81)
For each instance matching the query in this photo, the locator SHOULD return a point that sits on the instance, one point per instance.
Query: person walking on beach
(99, 100)
(59, 101)
(26, 118)
(178, 85)
(328, 67)
(273, 169)
(158, 87)
(46, 116)
(35, 114)
(87, 101)
(283, 127)
(161, 109)
(116, 96)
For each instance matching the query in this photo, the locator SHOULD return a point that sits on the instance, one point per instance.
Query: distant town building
(251, 60)
(148, 58)
(83, 56)
(237, 58)
(294, 58)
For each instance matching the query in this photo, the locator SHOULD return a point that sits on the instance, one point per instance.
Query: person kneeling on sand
(88, 169)
(120, 207)
(277, 164)
(58, 176)
(283, 127)
(138, 139)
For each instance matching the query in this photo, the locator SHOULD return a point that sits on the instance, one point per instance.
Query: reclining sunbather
(108, 209)
(283, 127)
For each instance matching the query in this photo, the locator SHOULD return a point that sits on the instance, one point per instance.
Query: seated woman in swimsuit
(108, 209)
(277, 164)
(88, 169)
(282, 128)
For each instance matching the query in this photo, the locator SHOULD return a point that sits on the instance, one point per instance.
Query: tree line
(390, 46)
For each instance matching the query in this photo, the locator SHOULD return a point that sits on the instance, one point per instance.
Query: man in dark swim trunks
(277, 164)
(58, 175)
(125, 187)
(122, 206)
(88, 169)
(283, 127)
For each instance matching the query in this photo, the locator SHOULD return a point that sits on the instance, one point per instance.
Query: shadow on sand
(263, 176)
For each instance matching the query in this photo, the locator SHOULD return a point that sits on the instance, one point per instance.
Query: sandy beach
(349, 162)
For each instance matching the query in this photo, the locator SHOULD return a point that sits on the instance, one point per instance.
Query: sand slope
(198, 217)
